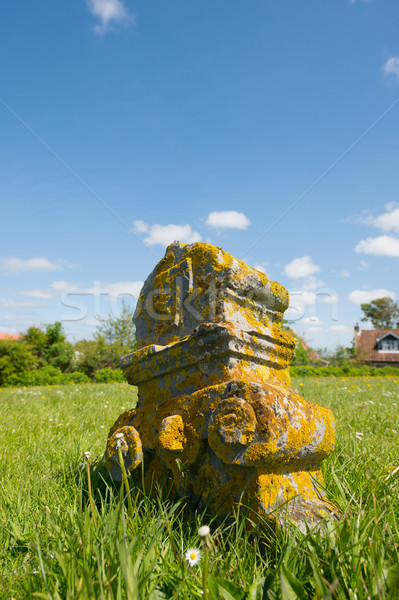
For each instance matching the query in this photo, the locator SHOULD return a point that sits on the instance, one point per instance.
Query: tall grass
(58, 541)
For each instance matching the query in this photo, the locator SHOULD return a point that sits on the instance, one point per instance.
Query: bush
(109, 375)
(16, 357)
(48, 375)
(345, 371)
(76, 377)
(50, 345)
(92, 356)
(43, 356)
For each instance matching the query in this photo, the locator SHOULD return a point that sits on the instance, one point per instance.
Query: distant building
(10, 336)
(378, 347)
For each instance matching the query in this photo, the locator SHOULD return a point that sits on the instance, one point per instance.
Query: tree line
(44, 356)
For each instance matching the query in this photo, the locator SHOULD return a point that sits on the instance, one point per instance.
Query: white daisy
(193, 556)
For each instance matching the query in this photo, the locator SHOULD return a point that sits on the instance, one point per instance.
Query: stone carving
(216, 419)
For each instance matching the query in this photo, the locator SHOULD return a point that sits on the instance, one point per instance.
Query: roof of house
(10, 336)
(366, 341)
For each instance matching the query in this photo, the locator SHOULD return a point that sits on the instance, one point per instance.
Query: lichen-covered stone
(216, 419)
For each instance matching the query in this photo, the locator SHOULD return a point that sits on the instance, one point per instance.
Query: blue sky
(268, 128)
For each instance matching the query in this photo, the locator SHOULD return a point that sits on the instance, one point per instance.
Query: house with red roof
(377, 347)
(10, 336)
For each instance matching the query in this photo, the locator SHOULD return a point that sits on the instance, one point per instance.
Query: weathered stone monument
(216, 419)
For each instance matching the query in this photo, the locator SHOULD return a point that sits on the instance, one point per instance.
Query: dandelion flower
(204, 531)
(120, 440)
(193, 556)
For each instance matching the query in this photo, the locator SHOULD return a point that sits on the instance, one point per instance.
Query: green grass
(54, 547)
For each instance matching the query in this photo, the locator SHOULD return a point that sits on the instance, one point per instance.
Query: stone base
(238, 442)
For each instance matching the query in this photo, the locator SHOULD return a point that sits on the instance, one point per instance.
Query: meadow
(66, 530)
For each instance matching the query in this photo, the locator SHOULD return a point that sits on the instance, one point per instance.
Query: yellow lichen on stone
(171, 436)
(123, 419)
(216, 417)
(260, 453)
(131, 449)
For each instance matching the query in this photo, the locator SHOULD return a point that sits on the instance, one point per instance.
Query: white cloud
(328, 296)
(383, 245)
(67, 264)
(17, 265)
(345, 274)
(313, 330)
(311, 283)
(57, 288)
(108, 13)
(41, 294)
(365, 296)
(301, 267)
(166, 234)
(227, 219)
(391, 66)
(260, 268)
(123, 288)
(304, 298)
(363, 265)
(10, 304)
(299, 300)
(64, 286)
(311, 321)
(115, 290)
(141, 227)
(387, 221)
(338, 329)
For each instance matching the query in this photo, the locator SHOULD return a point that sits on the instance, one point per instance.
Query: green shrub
(344, 371)
(43, 355)
(16, 357)
(109, 375)
(50, 345)
(95, 355)
(48, 375)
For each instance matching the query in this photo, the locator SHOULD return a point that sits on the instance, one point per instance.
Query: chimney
(357, 329)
